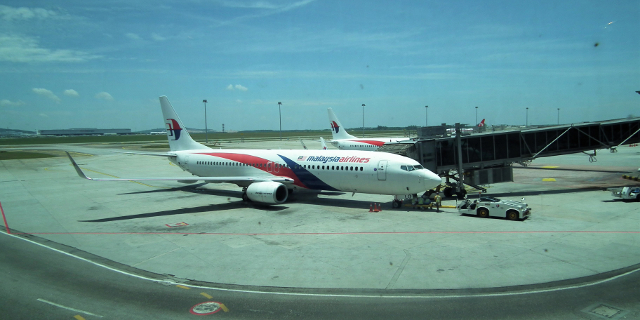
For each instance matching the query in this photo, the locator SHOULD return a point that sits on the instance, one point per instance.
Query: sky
(103, 64)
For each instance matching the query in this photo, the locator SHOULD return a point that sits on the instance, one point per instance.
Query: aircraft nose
(431, 179)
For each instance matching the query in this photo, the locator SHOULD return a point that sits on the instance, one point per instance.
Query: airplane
(268, 176)
(344, 141)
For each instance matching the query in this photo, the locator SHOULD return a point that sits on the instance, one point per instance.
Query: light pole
(558, 116)
(280, 116)
(363, 120)
(476, 115)
(206, 137)
(426, 116)
(526, 121)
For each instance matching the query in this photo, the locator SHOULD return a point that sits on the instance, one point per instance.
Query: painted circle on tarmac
(206, 308)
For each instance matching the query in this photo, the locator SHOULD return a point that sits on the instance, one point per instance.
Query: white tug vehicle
(626, 193)
(493, 207)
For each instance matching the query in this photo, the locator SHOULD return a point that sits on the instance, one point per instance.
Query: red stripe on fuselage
(262, 164)
(373, 142)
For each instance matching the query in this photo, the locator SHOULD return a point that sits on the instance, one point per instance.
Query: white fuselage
(366, 144)
(356, 171)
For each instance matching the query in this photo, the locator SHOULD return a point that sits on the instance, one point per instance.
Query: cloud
(46, 93)
(264, 8)
(247, 4)
(44, 115)
(237, 87)
(8, 103)
(157, 37)
(132, 36)
(24, 49)
(24, 13)
(71, 93)
(104, 96)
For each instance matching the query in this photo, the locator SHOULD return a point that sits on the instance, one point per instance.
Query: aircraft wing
(182, 179)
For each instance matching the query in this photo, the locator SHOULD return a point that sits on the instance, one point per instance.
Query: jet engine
(267, 192)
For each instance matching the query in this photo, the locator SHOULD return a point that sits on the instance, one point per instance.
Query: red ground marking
(5, 220)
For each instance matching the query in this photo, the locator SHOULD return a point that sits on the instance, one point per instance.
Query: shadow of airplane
(537, 193)
(305, 197)
(206, 208)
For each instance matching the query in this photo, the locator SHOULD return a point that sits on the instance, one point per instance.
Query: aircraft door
(272, 167)
(382, 170)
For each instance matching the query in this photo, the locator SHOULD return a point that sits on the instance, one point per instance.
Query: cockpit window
(418, 167)
(407, 168)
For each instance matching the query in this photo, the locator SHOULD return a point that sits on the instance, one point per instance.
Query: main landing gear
(245, 198)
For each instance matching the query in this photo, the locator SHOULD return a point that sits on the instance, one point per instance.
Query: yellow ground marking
(549, 167)
(206, 295)
(224, 308)
(182, 287)
(78, 317)
(549, 179)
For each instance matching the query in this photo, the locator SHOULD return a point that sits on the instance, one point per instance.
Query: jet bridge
(486, 158)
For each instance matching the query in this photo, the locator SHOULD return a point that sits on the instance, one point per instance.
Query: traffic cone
(370, 207)
(379, 207)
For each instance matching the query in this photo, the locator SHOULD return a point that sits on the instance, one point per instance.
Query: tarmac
(205, 232)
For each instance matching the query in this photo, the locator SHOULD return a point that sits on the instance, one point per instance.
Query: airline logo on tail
(481, 124)
(335, 127)
(174, 129)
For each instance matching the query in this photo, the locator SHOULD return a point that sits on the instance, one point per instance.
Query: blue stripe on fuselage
(306, 177)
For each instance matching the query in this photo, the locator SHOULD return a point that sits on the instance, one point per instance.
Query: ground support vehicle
(626, 193)
(494, 207)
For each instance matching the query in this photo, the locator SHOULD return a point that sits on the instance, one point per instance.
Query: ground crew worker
(437, 199)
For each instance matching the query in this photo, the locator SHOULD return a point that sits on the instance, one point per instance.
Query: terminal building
(84, 132)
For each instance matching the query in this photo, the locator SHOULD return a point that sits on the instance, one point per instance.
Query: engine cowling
(267, 192)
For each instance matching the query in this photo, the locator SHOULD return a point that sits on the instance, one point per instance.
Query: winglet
(303, 145)
(75, 166)
(324, 145)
